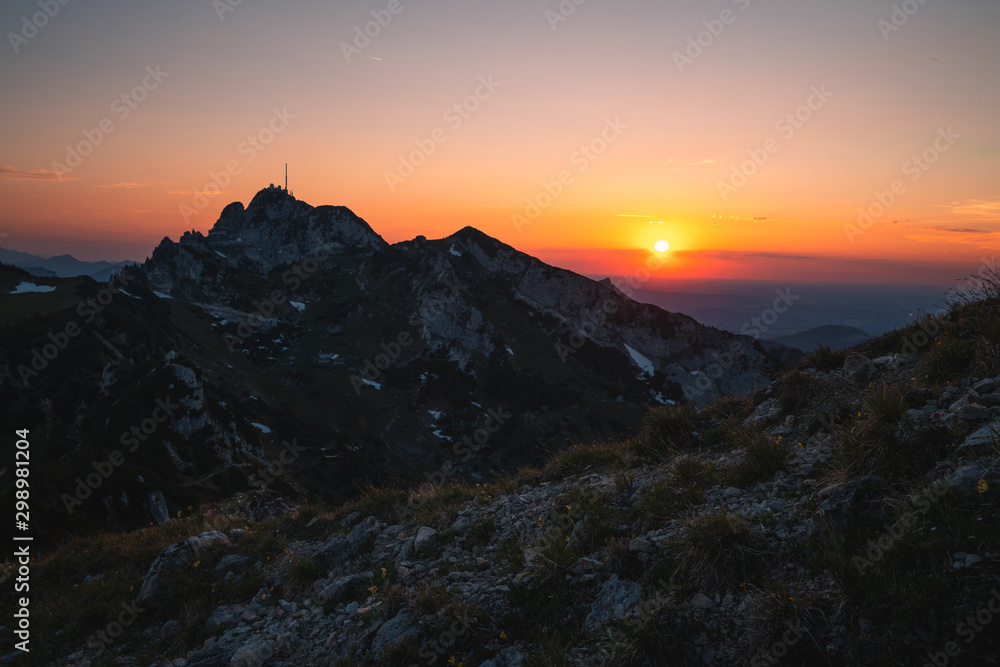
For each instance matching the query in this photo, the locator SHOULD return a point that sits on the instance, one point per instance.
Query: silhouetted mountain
(835, 336)
(289, 323)
(61, 266)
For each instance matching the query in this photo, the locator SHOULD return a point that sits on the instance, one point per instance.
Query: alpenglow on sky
(852, 141)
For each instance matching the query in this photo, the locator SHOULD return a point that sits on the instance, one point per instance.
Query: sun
(661, 246)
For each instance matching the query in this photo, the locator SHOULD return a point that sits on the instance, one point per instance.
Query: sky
(762, 139)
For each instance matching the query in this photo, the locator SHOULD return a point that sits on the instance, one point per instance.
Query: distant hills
(834, 336)
(60, 266)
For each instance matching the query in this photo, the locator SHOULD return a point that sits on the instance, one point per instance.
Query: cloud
(977, 208)
(632, 215)
(959, 230)
(738, 255)
(127, 186)
(701, 162)
(15, 174)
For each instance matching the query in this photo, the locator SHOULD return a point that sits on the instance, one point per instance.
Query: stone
(339, 548)
(614, 602)
(171, 562)
(702, 601)
(987, 386)
(425, 538)
(231, 563)
(859, 369)
(223, 617)
(393, 633)
(254, 653)
(336, 590)
(965, 480)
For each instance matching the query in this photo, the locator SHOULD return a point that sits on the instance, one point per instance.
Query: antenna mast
(286, 177)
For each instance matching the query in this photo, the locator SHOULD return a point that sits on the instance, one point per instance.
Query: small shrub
(797, 390)
(717, 551)
(670, 427)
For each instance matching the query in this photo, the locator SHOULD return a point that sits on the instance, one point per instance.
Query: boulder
(171, 562)
(859, 369)
(230, 563)
(616, 600)
(341, 547)
(393, 633)
(424, 539)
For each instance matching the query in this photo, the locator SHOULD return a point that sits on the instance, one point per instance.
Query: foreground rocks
(388, 593)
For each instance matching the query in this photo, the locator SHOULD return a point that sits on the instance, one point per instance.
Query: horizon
(867, 158)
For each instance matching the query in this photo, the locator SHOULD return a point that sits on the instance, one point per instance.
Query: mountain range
(296, 348)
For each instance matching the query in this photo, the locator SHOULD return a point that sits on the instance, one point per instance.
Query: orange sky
(533, 93)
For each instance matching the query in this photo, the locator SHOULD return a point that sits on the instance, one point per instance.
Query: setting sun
(661, 246)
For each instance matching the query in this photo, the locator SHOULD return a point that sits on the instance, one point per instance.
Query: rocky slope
(846, 515)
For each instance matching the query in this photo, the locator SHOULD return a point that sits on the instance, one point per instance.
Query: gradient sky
(681, 130)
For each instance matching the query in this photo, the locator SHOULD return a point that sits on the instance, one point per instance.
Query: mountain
(61, 266)
(293, 328)
(834, 336)
(846, 514)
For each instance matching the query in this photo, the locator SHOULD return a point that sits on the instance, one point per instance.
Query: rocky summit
(299, 352)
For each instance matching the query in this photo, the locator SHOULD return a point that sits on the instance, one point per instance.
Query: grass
(670, 428)
(762, 457)
(718, 551)
(823, 358)
(796, 391)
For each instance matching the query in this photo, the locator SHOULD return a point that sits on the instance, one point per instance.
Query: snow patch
(261, 427)
(298, 305)
(29, 288)
(454, 252)
(162, 295)
(641, 361)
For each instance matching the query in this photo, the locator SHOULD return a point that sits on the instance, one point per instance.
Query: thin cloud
(8, 173)
(701, 162)
(959, 230)
(127, 186)
(632, 215)
(737, 255)
(977, 208)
